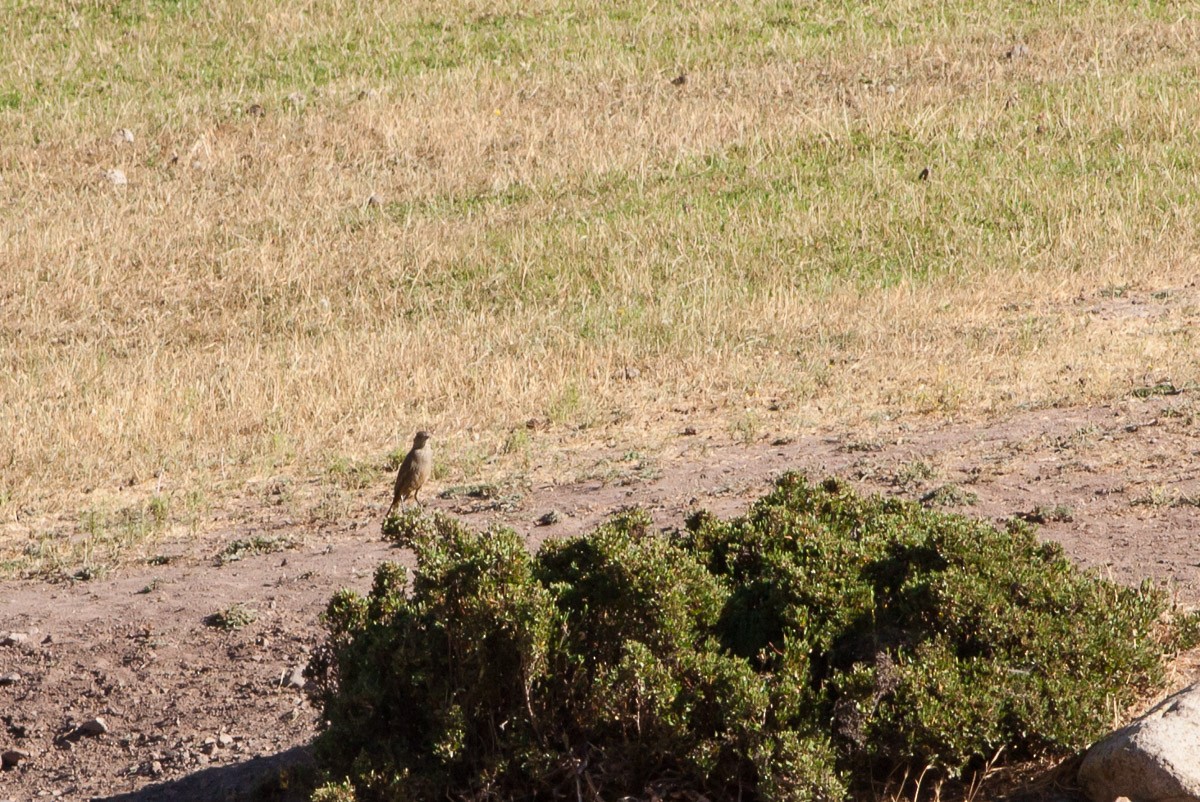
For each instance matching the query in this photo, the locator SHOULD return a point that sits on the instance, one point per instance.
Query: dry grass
(756, 243)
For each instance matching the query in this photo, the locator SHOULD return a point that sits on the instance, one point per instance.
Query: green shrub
(818, 642)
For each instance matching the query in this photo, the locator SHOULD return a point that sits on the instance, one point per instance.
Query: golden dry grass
(563, 235)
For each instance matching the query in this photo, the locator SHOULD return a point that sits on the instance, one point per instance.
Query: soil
(193, 711)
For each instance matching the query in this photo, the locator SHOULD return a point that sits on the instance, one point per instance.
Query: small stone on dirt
(91, 728)
(116, 177)
(688, 431)
(12, 757)
(549, 518)
(14, 639)
(10, 679)
(225, 739)
(295, 678)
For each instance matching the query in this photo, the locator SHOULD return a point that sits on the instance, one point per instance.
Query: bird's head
(420, 439)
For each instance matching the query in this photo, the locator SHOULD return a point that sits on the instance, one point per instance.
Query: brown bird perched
(415, 469)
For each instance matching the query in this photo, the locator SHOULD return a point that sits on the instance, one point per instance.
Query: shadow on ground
(273, 777)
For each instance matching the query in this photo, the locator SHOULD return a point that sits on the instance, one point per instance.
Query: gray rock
(14, 639)
(295, 678)
(10, 679)
(90, 728)
(1156, 758)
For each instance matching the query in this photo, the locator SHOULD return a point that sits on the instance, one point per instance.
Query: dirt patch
(198, 705)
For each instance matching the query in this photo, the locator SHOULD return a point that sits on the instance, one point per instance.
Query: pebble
(91, 728)
(116, 177)
(549, 518)
(10, 679)
(11, 757)
(14, 639)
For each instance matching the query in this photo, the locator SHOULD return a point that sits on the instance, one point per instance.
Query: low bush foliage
(798, 652)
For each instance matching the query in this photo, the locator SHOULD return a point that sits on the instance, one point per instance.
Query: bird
(415, 469)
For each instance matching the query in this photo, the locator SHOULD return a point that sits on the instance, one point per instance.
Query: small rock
(688, 431)
(295, 678)
(225, 739)
(10, 679)
(123, 136)
(549, 519)
(155, 768)
(14, 639)
(209, 746)
(91, 728)
(116, 177)
(1153, 759)
(12, 757)
(632, 373)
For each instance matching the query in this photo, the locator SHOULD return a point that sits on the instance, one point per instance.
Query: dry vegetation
(345, 220)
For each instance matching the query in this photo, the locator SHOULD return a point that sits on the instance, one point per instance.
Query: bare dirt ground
(194, 711)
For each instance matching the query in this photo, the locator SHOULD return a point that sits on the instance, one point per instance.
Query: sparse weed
(518, 441)
(1165, 496)
(950, 495)
(351, 475)
(747, 428)
(913, 473)
(1042, 514)
(236, 616)
(247, 547)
